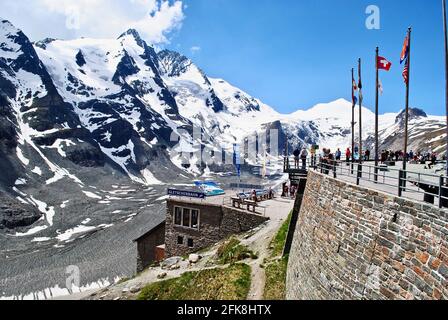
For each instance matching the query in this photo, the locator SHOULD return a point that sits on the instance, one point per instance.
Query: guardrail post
(376, 174)
(358, 176)
(400, 183)
(334, 170)
(440, 191)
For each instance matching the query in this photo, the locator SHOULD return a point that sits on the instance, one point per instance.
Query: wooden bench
(251, 203)
(236, 202)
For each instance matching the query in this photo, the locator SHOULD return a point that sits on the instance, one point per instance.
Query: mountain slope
(77, 111)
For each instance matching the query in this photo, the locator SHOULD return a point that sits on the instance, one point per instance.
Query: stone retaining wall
(356, 243)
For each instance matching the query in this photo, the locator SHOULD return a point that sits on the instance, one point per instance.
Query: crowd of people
(301, 156)
(289, 191)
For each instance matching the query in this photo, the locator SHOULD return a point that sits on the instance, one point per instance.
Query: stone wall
(355, 243)
(216, 223)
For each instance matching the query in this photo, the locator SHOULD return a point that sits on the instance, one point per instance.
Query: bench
(251, 203)
(237, 202)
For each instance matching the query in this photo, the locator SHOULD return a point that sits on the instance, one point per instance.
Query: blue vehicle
(210, 188)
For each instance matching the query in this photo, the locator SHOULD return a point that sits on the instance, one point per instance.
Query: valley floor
(258, 241)
(37, 266)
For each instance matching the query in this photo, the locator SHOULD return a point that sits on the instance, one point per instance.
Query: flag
(264, 169)
(355, 88)
(383, 64)
(237, 159)
(405, 51)
(406, 74)
(380, 87)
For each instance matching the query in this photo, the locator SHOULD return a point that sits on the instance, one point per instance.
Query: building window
(187, 218)
(177, 216)
(180, 240)
(195, 219)
(190, 243)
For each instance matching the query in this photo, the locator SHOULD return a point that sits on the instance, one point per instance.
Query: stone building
(149, 246)
(192, 226)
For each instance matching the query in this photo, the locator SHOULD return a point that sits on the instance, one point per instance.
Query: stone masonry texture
(354, 243)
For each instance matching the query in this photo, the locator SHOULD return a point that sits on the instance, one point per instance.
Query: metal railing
(405, 183)
(259, 210)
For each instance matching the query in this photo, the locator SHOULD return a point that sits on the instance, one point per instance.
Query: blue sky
(296, 53)
(292, 54)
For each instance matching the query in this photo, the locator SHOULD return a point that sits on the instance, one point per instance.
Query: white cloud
(154, 19)
(195, 49)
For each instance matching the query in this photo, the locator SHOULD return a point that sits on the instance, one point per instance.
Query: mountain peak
(414, 113)
(173, 63)
(7, 28)
(134, 33)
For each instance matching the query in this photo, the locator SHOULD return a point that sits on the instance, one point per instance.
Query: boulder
(170, 262)
(194, 258)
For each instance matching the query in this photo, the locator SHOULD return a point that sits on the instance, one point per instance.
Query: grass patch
(232, 283)
(275, 287)
(233, 251)
(278, 243)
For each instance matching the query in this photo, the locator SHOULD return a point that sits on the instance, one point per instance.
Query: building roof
(157, 224)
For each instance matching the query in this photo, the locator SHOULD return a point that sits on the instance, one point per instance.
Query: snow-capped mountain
(79, 113)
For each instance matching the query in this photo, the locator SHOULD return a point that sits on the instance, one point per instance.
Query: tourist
(338, 155)
(433, 160)
(254, 196)
(367, 155)
(285, 191)
(296, 157)
(271, 193)
(313, 157)
(292, 191)
(348, 155)
(304, 156)
(383, 156)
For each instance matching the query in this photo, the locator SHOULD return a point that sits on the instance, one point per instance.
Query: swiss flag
(383, 64)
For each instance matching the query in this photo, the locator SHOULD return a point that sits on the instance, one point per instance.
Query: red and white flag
(384, 64)
(406, 74)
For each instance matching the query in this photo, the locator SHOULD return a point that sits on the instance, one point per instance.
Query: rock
(162, 275)
(135, 289)
(194, 258)
(175, 267)
(168, 263)
(14, 214)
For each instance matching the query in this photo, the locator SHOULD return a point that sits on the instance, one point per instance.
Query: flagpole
(360, 111)
(360, 122)
(446, 79)
(406, 130)
(376, 115)
(353, 119)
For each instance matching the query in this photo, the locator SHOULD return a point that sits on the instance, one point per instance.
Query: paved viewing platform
(418, 182)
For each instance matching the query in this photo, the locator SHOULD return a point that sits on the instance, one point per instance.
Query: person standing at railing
(313, 157)
(338, 155)
(296, 158)
(304, 157)
(367, 155)
(348, 155)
